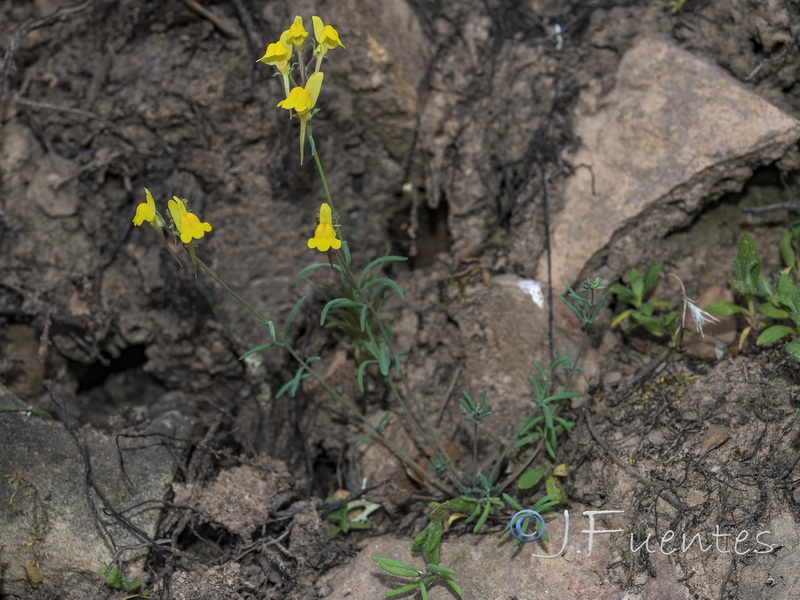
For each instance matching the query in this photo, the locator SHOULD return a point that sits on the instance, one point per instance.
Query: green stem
(319, 167)
(344, 401)
(474, 448)
(354, 409)
(511, 478)
(236, 296)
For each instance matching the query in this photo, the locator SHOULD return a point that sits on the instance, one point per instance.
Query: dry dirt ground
(446, 130)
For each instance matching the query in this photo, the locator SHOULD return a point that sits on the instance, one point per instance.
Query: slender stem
(302, 68)
(319, 167)
(347, 403)
(513, 440)
(474, 448)
(352, 408)
(236, 296)
(511, 478)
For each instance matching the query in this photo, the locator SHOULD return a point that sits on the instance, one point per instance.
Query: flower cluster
(301, 97)
(302, 92)
(187, 224)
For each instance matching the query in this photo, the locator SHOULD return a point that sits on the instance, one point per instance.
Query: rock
(46, 507)
(241, 498)
(774, 575)
(488, 567)
(502, 328)
(676, 133)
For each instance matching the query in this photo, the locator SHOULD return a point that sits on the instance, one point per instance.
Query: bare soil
(438, 124)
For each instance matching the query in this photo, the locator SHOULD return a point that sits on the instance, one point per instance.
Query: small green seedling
(344, 524)
(644, 312)
(421, 578)
(752, 286)
(117, 580)
(790, 243)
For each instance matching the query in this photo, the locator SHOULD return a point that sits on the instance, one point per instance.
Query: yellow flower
(327, 36)
(325, 235)
(279, 54)
(146, 211)
(298, 33)
(302, 101)
(189, 226)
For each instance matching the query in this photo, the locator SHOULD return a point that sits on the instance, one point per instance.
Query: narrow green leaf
(530, 478)
(747, 263)
(723, 308)
(451, 582)
(399, 572)
(397, 564)
(440, 569)
(773, 334)
(550, 450)
(546, 503)
(337, 303)
(386, 282)
(621, 317)
(384, 363)
(562, 396)
(772, 311)
(787, 251)
(289, 321)
(637, 286)
(651, 276)
(793, 348)
(259, 349)
(346, 252)
(486, 512)
(622, 293)
(362, 278)
(306, 270)
(548, 416)
(402, 590)
(360, 374)
(433, 543)
(285, 388)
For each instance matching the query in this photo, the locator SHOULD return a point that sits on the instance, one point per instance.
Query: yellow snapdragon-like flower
(297, 33)
(327, 39)
(327, 36)
(189, 225)
(146, 211)
(325, 235)
(279, 54)
(302, 100)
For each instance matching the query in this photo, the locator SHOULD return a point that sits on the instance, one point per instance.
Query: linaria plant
(353, 311)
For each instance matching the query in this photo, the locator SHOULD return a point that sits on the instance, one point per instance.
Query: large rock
(676, 133)
(491, 568)
(50, 514)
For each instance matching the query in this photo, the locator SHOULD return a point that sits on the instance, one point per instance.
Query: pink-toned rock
(488, 568)
(674, 134)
